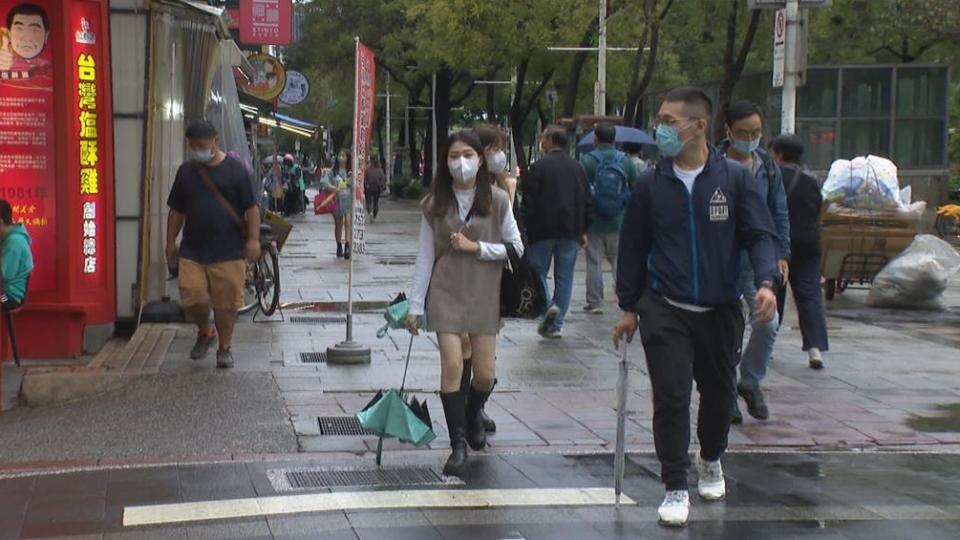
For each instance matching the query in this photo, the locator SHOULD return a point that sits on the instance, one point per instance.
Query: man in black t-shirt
(212, 200)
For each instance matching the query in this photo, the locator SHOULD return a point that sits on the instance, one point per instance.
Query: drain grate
(313, 358)
(303, 479)
(299, 319)
(346, 426)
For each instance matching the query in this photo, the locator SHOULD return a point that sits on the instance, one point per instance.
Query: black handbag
(522, 295)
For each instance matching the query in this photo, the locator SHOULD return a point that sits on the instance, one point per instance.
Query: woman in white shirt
(466, 223)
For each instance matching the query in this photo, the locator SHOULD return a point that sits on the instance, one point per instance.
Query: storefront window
(862, 137)
(919, 143)
(818, 97)
(866, 92)
(920, 91)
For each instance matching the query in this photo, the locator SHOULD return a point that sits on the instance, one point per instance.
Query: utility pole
(433, 115)
(388, 150)
(600, 105)
(789, 111)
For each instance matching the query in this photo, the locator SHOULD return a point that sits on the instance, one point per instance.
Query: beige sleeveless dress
(464, 292)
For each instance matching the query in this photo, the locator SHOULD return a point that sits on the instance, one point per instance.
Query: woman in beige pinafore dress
(466, 223)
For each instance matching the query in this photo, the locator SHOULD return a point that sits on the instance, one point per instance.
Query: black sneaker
(346, 251)
(737, 418)
(339, 250)
(224, 359)
(201, 348)
(547, 323)
(756, 406)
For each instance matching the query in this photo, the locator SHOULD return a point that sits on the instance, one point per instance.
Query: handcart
(856, 244)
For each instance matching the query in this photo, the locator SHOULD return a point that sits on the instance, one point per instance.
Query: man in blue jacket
(679, 261)
(744, 130)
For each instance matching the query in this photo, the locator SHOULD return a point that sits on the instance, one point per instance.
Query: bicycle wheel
(268, 270)
(250, 297)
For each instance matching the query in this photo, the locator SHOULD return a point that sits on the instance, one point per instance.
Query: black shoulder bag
(522, 295)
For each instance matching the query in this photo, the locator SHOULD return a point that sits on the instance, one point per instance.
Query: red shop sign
(27, 130)
(266, 22)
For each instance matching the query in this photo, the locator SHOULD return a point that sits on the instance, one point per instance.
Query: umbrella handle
(407, 365)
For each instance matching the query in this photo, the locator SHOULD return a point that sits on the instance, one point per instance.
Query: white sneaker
(711, 485)
(816, 359)
(675, 508)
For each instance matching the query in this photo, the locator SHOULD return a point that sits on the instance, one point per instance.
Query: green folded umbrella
(396, 315)
(388, 415)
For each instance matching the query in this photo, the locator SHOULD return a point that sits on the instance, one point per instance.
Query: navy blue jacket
(687, 246)
(770, 184)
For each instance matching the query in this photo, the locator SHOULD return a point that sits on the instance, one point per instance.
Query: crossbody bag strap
(205, 175)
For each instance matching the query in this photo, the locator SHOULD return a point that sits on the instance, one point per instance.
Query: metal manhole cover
(313, 357)
(298, 319)
(303, 479)
(346, 426)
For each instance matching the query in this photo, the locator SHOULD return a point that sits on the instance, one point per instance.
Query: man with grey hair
(556, 210)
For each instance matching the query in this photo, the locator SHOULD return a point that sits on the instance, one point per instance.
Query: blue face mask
(204, 155)
(668, 140)
(745, 147)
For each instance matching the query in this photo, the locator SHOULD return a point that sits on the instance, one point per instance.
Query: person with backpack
(611, 174)
(744, 129)
(804, 201)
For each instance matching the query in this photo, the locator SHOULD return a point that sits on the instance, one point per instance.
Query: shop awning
(296, 122)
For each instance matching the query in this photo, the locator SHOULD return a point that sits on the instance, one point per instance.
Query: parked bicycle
(262, 287)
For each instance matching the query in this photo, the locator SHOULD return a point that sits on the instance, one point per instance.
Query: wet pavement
(193, 433)
(782, 496)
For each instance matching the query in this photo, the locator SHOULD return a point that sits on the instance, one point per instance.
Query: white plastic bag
(917, 278)
(869, 183)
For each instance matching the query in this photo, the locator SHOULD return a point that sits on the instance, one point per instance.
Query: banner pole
(348, 351)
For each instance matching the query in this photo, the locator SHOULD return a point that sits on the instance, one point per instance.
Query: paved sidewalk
(892, 380)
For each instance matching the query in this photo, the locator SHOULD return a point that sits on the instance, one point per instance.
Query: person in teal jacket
(17, 259)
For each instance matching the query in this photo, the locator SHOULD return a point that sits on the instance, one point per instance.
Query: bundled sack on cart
(867, 183)
(918, 277)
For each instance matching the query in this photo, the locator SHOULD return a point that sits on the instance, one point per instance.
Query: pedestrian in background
(685, 227)
(744, 130)
(494, 141)
(16, 259)
(466, 222)
(212, 202)
(611, 174)
(293, 178)
(340, 180)
(556, 214)
(374, 184)
(635, 153)
(804, 201)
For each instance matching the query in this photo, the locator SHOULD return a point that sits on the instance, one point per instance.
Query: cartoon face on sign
(23, 40)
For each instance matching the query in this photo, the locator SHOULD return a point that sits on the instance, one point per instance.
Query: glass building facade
(896, 111)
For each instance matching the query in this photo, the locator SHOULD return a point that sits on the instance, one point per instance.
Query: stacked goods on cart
(868, 186)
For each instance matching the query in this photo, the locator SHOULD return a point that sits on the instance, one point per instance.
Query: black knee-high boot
(454, 411)
(476, 432)
(488, 424)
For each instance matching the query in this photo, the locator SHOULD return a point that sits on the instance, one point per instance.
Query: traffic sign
(779, 46)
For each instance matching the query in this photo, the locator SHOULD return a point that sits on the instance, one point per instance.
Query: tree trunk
(412, 149)
(733, 64)
(572, 87)
(633, 111)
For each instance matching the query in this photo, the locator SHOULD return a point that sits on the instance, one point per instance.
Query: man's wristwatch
(768, 284)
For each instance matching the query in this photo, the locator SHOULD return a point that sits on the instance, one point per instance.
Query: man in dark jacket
(556, 208)
(374, 184)
(804, 201)
(679, 261)
(744, 130)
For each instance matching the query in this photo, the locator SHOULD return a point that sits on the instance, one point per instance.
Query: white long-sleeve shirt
(423, 271)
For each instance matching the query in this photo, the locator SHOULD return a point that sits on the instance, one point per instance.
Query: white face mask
(464, 170)
(497, 162)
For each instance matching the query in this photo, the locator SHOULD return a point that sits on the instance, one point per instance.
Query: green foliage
(414, 191)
